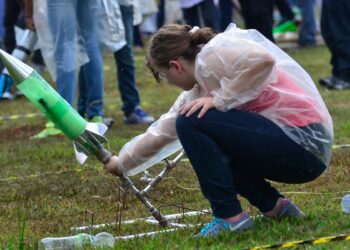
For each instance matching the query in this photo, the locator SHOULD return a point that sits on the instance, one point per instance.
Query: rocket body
(52, 105)
(87, 137)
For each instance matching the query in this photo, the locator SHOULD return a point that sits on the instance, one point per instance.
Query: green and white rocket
(87, 137)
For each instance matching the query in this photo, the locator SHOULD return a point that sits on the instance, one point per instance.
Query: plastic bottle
(103, 240)
(345, 203)
(78, 241)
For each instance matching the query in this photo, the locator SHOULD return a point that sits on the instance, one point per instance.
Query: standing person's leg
(12, 11)
(328, 37)
(138, 44)
(62, 21)
(210, 14)
(285, 9)
(191, 16)
(338, 18)
(224, 146)
(126, 74)
(91, 86)
(335, 29)
(226, 11)
(307, 35)
(82, 95)
(161, 14)
(258, 15)
(126, 66)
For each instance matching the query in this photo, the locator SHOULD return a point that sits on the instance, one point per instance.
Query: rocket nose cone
(18, 70)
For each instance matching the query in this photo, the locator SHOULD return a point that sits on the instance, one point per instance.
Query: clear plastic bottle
(78, 241)
(103, 240)
(345, 203)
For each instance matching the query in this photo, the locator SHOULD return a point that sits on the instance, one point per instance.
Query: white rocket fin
(79, 154)
(97, 128)
(97, 131)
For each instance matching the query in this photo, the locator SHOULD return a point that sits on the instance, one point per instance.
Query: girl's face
(179, 73)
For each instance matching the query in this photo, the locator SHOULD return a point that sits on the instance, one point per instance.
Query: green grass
(44, 192)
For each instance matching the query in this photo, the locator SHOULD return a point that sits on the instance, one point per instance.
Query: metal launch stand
(157, 217)
(142, 194)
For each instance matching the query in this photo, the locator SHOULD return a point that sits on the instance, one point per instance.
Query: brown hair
(173, 41)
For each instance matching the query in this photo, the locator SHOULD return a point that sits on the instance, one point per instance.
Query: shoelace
(212, 224)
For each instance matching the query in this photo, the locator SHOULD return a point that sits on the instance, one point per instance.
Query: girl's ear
(176, 64)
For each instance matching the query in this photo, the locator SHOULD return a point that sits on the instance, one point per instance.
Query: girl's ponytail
(174, 41)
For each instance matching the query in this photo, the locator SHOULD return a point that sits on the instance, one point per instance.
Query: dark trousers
(285, 9)
(235, 152)
(13, 16)
(258, 15)
(226, 13)
(335, 28)
(161, 14)
(210, 15)
(125, 62)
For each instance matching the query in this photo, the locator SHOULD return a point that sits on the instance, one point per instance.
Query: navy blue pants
(125, 62)
(258, 15)
(235, 152)
(210, 15)
(335, 28)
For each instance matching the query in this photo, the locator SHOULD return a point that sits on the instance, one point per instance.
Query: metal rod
(154, 211)
(169, 166)
(147, 219)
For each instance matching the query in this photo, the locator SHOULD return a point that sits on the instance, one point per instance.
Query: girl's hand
(112, 166)
(204, 103)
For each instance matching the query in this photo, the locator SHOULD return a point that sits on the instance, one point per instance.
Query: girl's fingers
(203, 111)
(194, 108)
(185, 108)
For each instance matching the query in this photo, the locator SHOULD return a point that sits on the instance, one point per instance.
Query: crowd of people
(81, 25)
(248, 113)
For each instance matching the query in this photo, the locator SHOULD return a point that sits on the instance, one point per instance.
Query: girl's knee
(181, 122)
(184, 124)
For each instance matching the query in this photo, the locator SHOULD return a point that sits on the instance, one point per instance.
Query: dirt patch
(20, 132)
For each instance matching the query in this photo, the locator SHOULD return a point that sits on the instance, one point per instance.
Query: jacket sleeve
(158, 142)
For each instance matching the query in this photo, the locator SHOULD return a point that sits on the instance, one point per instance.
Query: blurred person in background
(1, 27)
(226, 13)
(308, 28)
(335, 30)
(70, 22)
(258, 15)
(196, 10)
(14, 25)
(125, 62)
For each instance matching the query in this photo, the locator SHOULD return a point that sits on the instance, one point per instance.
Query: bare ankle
(276, 208)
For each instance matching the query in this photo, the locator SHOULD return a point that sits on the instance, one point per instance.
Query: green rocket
(87, 137)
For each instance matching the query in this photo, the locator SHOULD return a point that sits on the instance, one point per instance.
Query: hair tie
(194, 29)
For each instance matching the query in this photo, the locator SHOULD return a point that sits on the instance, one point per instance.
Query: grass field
(44, 192)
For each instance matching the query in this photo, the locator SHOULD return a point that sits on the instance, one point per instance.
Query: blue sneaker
(139, 117)
(219, 225)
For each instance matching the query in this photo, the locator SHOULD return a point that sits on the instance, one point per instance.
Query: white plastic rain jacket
(241, 69)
